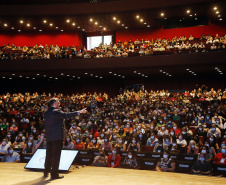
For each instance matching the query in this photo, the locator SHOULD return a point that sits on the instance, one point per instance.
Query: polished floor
(15, 174)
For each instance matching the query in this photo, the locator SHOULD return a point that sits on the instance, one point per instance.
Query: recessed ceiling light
(86, 73)
(141, 20)
(139, 73)
(118, 22)
(44, 21)
(115, 74)
(165, 18)
(73, 76)
(40, 30)
(10, 78)
(119, 75)
(188, 11)
(34, 28)
(56, 78)
(28, 25)
(37, 74)
(91, 20)
(27, 77)
(73, 24)
(50, 77)
(20, 76)
(44, 75)
(56, 27)
(100, 26)
(146, 76)
(68, 75)
(12, 28)
(137, 16)
(91, 74)
(217, 12)
(114, 18)
(162, 14)
(51, 24)
(148, 26)
(196, 19)
(61, 30)
(19, 30)
(122, 24)
(83, 29)
(135, 71)
(219, 16)
(96, 76)
(5, 25)
(142, 74)
(145, 23)
(68, 20)
(13, 74)
(163, 72)
(126, 27)
(190, 15)
(170, 75)
(221, 73)
(215, 8)
(33, 78)
(21, 21)
(110, 72)
(3, 77)
(123, 76)
(220, 19)
(101, 77)
(62, 74)
(78, 77)
(160, 70)
(78, 27)
(96, 23)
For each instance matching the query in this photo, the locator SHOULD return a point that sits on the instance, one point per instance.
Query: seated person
(214, 131)
(114, 159)
(120, 145)
(78, 144)
(131, 160)
(166, 164)
(152, 140)
(4, 147)
(29, 148)
(134, 146)
(19, 143)
(93, 144)
(192, 148)
(41, 143)
(11, 156)
(220, 158)
(181, 141)
(201, 166)
(100, 160)
(68, 144)
(208, 156)
(106, 145)
(160, 146)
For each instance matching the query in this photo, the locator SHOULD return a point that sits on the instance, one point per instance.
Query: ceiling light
(91, 20)
(146, 76)
(78, 27)
(34, 28)
(68, 75)
(190, 15)
(73, 24)
(145, 23)
(50, 77)
(61, 30)
(162, 14)
(83, 29)
(27, 77)
(44, 75)
(100, 26)
(221, 73)
(33, 78)
(3, 77)
(96, 76)
(19, 30)
(118, 22)
(160, 70)
(56, 78)
(196, 19)
(86, 73)
(141, 20)
(68, 20)
(135, 71)
(96, 23)
(62, 74)
(44, 21)
(13, 74)
(78, 77)
(21, 21)
(217, 12)
(40, 30)
(12, 28)
(139, 73)
(126, 27)
(215, 8)
(5, 25)
(220, 19)
(37, 74)
(188, 11)
(164, 72)
(195, 74)
(122, 24)
(110, 72)
(20, 76)
(219, 16)
(10, 78)
(216, 67)
(91, 74)
(115, 74)
(165, 18)
(101, 77)
(28, 25)
(56, 27)
(119, 75)
(114, 18)
(123, 76)
(51, 24)
(137, 16)
(104, 28)
(187, 69)
(148, 26)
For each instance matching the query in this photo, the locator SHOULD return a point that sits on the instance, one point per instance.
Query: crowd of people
(120, 49)
(192, 122)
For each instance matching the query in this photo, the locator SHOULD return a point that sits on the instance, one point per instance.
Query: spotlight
(96, 23)
(21, 21)
(114, 18)
(28, 25)
(215, 8)
(162, 14)
(91, 20)
(5, 25)
(44, 21)
(118, 22)
(141, 20)
(68, 20)
(73, 24)
(188, 11)
(51, 24)
(137, 16)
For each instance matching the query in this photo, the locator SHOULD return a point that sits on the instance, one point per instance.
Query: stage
(15, 174)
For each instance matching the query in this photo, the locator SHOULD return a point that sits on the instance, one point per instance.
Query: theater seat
(85, 160)
(219, 169)
(148, 164)
(147, 148)
(189, 157)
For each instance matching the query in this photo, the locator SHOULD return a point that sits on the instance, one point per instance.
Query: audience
(166, 164)
(202, 166)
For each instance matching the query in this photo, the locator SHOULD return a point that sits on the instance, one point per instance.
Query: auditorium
(112, 92)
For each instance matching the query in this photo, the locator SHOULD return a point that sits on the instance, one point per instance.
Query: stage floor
(15, 174)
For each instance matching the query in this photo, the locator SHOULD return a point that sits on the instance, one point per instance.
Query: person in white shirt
(4, 147)
(11, 156)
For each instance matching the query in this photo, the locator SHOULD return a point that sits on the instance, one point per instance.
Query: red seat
(147, 148)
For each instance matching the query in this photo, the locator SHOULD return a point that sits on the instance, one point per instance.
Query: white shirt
(14, 158)
(4, 149)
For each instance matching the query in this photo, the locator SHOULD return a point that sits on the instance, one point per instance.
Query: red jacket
(116, 161)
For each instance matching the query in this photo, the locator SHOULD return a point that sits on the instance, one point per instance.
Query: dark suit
(53, 119)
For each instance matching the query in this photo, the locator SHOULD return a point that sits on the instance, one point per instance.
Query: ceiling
(148, 18)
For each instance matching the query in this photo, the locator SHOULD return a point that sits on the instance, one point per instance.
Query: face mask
(120, 141)
(211, 139)
(184, 132)
(34, 131)
(174, 128)
(165, 156)
(160, 144)
(105, 140)
(222, 145)
(13, 125)
(134, 141)
(204, 151)
(3, 142)
(130, 156)
(116, 128)
(29, 144)
(152, 127)
(68, 139)
(94, 141)
(74, 126)
(140, 136)
(102, 135)
(200, 129)
(90, 136)
(8, 135)
(152, 137)
(202, 159)
(174, 144)
(213, 129)
(114, 152)
(10, 151)
(77, 140)
(163, 128)
(139, 127)
(180, 137)
(204, 126)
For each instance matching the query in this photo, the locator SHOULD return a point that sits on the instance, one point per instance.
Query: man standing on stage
(53, 119)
